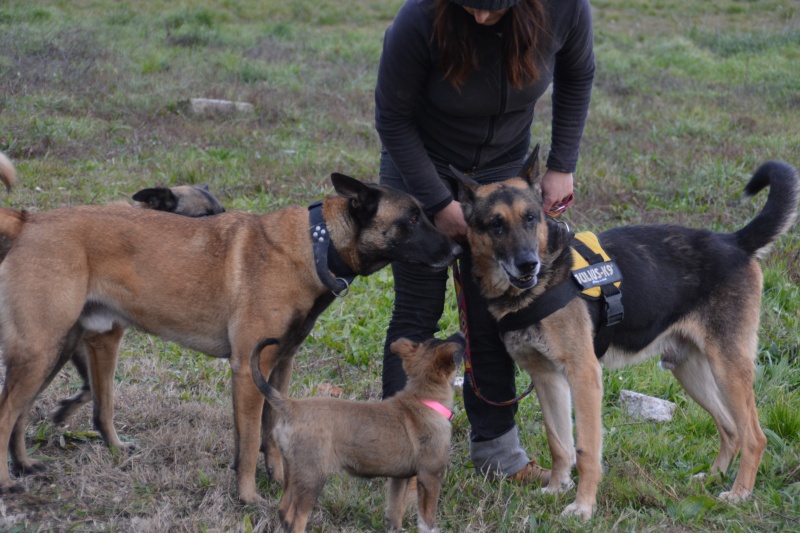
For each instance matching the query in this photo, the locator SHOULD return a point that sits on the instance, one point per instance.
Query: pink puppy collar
(439, 408)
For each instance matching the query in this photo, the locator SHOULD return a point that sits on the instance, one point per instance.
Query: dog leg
(248, 406)
(396, 502)
(552, 390)
(23, 383)
(303, 488)
(102, 350)
(67, 407)
(429, 485)
(726, 392)
(586, 383)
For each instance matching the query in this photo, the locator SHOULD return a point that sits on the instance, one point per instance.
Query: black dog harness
(595, 277)
(326, 258)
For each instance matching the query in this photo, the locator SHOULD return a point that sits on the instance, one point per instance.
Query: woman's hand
(450, 221)
(557, 187)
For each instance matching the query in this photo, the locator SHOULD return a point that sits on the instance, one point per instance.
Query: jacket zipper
(493, 118)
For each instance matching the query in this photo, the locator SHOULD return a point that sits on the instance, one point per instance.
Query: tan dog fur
(215, 285)
(690, 295)
(399, 437)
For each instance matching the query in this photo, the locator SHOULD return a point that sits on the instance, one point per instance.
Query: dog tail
(779, 212)
(7, 174)
(270, 393)
(11, 221)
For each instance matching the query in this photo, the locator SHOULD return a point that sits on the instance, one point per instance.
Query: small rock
(647, 407)
(206, 105)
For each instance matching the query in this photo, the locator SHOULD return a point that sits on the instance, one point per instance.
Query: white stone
(643, 406)
(206, 105)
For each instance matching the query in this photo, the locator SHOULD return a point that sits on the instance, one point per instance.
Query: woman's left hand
(557, 187)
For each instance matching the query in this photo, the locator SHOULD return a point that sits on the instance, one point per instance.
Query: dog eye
(414, 220)
(496, 225)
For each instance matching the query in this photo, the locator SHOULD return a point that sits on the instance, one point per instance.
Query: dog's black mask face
(507, 229)
(392, 226)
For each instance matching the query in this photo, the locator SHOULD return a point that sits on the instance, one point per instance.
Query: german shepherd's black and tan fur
(214, 284)
(186, 200)
(690, 295)
(398, 438)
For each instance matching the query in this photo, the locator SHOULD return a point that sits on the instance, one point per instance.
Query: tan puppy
(689, 295)
(213, 284)
(400, 437)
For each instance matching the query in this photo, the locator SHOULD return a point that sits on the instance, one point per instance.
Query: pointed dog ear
(530, 169)
(363, 198)
(466, 191)
(404, 347)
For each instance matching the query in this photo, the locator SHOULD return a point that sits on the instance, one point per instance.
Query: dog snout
(527, 265)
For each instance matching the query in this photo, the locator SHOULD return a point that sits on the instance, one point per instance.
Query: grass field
(690, 97)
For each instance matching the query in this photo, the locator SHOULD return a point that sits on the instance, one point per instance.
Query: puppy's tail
(7, 174)
(270, 393)
(779, 212)
(11, 221)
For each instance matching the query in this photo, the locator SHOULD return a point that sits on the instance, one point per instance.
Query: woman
(457, 84)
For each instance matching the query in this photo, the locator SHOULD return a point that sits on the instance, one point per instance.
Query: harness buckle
(614, 312)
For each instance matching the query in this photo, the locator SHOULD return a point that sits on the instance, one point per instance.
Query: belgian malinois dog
(690, 295)
(213, 284)
(186, 200)
(403, 436)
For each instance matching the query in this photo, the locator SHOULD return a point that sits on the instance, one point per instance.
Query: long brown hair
(457, 48)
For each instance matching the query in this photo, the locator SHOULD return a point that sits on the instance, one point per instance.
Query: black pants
(418, 306)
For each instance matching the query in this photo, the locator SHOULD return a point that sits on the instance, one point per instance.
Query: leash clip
(344, 292)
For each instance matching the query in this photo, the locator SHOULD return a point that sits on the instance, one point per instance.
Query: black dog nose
(527, 267)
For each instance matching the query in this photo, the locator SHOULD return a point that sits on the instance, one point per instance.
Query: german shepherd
(214, 284)
(186, 200)
(404, 436)
(691, 295)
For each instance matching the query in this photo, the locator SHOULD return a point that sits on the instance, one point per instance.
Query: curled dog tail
(7, 174)
(779, 212)
(11, 221)
(270, 393)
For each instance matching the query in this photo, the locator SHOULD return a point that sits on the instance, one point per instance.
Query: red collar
(439, 408)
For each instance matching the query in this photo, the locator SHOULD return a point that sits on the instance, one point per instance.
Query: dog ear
(459, 347)
(404, 347)
(466, 191)
(158, 198)
(364, 198)
(530, 169)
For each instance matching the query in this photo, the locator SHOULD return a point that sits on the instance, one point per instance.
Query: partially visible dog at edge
(691, 295)
(77, 277)
(403, 436)
(186, 200)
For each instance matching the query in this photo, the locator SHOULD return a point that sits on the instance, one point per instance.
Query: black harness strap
(326, 258)
(606, 311)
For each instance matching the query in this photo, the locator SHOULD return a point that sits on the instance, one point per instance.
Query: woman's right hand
(450, 221)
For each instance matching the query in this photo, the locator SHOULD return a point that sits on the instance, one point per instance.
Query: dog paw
(124, 448)
(253, 499)
(583, 512)
(11, 488)
(29, 467)
(556, 487)
(735, 497)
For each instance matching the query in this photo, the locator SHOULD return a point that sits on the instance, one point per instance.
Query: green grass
(690, 97)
